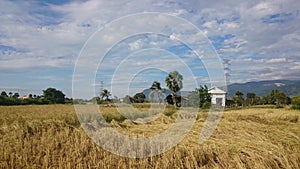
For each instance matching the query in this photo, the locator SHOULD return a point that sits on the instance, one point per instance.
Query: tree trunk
(174, 100)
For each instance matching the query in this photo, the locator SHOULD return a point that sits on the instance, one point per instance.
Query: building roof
(216, 90)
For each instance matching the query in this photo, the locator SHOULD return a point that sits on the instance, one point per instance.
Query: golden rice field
(50, 136)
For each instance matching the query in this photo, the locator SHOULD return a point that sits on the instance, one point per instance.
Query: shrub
(296, 102)
(170, 111)
(206, 105)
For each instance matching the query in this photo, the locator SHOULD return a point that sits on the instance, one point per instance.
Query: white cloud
(135, 45)
(210, 24)
(277, 60)
(52, 36)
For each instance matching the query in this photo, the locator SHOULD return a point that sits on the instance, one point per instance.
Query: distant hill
(263, 88)
(147, 92)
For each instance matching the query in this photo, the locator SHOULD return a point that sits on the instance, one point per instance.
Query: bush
(170, 111)
(206, 105)
(296, 102)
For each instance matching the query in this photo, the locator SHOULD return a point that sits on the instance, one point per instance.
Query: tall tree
(204, 95)
(296, 102)
(174, 83)
(105, 94)
(54, 96)
(277, 97)
(238, 98)
(250, 97)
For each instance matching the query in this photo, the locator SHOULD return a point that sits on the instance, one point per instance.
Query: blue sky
(40, 41)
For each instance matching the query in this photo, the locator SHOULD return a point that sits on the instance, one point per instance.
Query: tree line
(49, 96)
(173, 82)
(197, 98)
(275, 97)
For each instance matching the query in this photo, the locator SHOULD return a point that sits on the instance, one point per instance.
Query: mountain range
(263, 88)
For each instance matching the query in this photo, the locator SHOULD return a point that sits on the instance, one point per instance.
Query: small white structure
(24, 97)
(218, 96)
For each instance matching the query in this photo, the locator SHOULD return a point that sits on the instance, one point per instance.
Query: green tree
(2, 100)
(4, 94)
(139, 98)
(258, 100)
(5, 100)
(16, 95)
(296, 102)
(105, 94)
(238, 98)
(10, 94)
(205, 97)
(174, 83)
(53, 96)
(277, 98)
(265, 100)
(200, 97)
(251, 99)
(68, 101)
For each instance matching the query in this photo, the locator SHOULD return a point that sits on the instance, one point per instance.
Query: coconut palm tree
(105, 94)
(174, 83)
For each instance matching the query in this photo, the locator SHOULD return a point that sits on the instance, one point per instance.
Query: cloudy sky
(40, 41)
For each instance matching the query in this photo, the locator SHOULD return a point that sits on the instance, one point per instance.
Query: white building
(218, 96)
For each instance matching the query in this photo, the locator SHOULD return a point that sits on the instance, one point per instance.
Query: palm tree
(105, 94)
(174, 83)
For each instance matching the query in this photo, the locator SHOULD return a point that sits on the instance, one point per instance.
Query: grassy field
(51, 137)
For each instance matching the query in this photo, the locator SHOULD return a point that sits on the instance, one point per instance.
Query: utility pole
(101, 87)
(226, 63)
